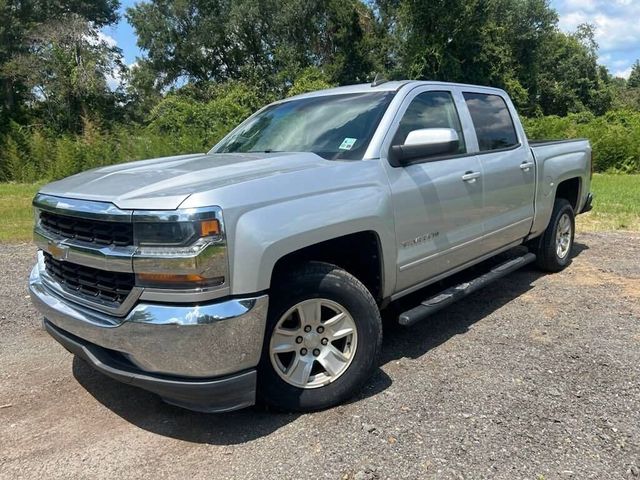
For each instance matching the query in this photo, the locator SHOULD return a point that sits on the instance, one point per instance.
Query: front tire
(323, 339)
(553, 250)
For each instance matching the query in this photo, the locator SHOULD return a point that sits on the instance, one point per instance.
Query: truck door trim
(419, 261)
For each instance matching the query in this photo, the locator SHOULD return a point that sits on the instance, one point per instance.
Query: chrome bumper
(186, 341)
(208, 395)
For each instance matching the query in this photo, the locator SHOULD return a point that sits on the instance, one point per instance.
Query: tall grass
(31, 155)
(178, 124)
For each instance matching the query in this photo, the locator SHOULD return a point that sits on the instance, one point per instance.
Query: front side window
(492, 121)
(332, 126)
(430, 110)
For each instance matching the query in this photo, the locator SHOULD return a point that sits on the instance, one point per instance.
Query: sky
(617, 25)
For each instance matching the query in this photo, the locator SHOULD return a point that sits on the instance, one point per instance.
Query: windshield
(332, 126)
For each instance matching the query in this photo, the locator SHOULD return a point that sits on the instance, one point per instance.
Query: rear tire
(319, 316)
(553, 249)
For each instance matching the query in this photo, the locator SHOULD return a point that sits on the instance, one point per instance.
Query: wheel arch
(358, 253)
(570, 189)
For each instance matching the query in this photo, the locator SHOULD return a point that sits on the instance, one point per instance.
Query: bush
(194, 125)
(615, 136)
(184, 122)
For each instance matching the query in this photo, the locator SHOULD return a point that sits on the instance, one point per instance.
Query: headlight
(175, 234)
(181, 249)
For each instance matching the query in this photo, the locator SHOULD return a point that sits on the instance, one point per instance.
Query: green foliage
(569, 80)
(267, 41)
(615, 136)
(208, 64)
(634, 78)
(33, 154)
(513, 44)
(617, 203)
(66, 66)
(53, 64)
(309, 80)
(181, 124)
(195, 124)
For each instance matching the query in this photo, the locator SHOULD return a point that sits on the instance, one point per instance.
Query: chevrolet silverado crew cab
(257, 271)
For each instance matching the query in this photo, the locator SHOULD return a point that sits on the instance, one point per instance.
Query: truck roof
(390, 86)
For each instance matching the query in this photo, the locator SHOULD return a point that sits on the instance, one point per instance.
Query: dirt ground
(536, 376)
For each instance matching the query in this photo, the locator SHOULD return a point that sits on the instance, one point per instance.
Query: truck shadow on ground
(415, 341)
(147, 411)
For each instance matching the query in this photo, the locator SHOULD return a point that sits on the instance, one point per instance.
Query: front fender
(264, 235)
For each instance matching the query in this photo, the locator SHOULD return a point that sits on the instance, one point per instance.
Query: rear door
(508, 169)
(437, 200)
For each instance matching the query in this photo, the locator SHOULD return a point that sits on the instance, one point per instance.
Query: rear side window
(492, 121)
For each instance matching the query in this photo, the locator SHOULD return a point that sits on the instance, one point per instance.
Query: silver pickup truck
(257, 271)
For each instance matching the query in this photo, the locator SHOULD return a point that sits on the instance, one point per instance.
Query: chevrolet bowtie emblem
(59, 252)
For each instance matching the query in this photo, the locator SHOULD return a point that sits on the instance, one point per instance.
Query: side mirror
(426, 142)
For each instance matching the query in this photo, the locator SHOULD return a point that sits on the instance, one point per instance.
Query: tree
(267, 42)
(569, 76)
(65, 68)
(513, 44)
(490, 42)
(34, 42)
(634, 78)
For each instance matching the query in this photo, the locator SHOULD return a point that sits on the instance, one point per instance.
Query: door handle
(470, 176)
(526, 166)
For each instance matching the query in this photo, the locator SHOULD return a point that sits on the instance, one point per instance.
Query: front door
(437, 201)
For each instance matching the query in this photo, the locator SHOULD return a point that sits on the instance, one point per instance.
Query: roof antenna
(378, 80)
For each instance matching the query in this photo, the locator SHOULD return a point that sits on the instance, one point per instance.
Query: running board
(450, 295)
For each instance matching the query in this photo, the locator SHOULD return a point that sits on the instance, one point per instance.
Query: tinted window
(492, 121)
(430, 110)
(332, 126)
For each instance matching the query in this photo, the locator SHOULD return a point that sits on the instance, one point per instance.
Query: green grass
(616, 204)
(616, 207)
(16, 218)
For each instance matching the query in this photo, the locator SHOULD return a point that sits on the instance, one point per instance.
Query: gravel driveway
(536, 376)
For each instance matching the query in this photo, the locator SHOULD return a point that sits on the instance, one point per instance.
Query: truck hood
(164, 183)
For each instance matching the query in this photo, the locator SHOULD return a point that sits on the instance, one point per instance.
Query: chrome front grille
(92, 231)
(90, 283)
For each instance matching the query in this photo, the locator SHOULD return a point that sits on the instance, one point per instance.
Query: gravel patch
(536, 376)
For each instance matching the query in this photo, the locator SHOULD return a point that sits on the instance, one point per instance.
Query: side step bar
(450, 295)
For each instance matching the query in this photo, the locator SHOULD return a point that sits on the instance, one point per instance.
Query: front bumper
(201, 357)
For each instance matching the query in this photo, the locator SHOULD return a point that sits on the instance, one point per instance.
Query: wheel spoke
(283, 348)
(286, 332)
(309, 312)
(332, 360)
(339, 327)
(283, 340)
(343, 332)
(300, 370)
(334, 320)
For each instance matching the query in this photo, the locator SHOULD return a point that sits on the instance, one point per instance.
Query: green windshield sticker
(347, 143)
